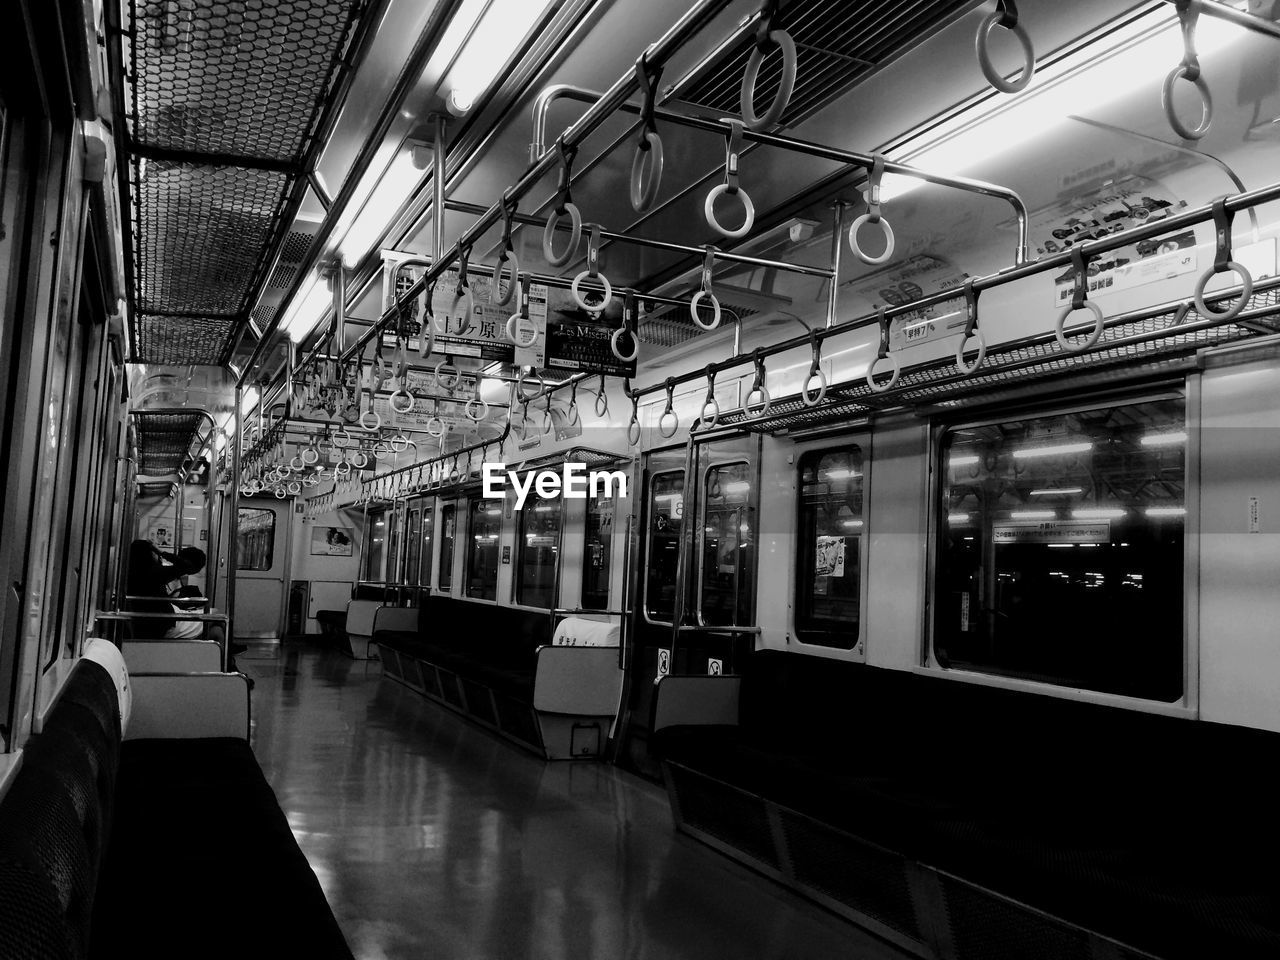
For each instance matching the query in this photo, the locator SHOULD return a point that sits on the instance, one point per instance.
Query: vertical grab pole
(837, 245)
(233, 524)
(688, 533)
(338, 286)
(437, 189)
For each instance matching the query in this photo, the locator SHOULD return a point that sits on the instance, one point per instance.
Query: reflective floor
(433, 839)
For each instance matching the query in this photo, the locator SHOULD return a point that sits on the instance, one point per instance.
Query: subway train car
(639, 479)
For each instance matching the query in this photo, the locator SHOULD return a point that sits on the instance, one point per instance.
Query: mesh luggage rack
(223, 103)
(164, 440)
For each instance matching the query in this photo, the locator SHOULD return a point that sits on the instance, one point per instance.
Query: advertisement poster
(830, 557)
(331, 541)
(918, 276)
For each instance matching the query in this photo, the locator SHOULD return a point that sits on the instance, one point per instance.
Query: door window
(482, 549)
(255, 539)
(448, 536)
(538, 544)
(829, 556)
(727, 565)
(665, 516)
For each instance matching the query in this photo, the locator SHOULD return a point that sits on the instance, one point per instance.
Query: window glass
(599, 548)
(394, 517)
(1061, 549)
(448, 536)
(728, 545)
(428, 534)
(482, 549)
(375, 542)
(413, 544)
(666, 512)
(255, 538)
(829, 560)
(537, 540)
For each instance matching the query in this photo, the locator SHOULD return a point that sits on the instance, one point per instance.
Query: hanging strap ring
(592, 273)
(644, 185)
(476, 409)
(884, 353)
(461, 295)
(521, 378)
(602, 399)
(730, 187)
(1007, 17)
(704, 293)
(815, 373)
(1222, 263)
(1188, 69)
(757, 401)
(668, 413)
(627, 329)
(502, 295)
(872, 216)
(401, 401)
(633, 427)
(447, 380)
(767, 37)
(705, 422)
(564, 205)
(970, 331)
(519, 322)
(1079, 301)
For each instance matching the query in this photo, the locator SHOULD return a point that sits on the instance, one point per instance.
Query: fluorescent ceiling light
(966, 461)
(1061, 546)
(1166, 511)
(1033, 515)
(735, 487)
(1089, 79)
(1163, 439)
(385, 193)
(957, 518)
(1057, 492)
(851, 523)
(307, 308)
(842, 473)
(485, 36)
(1054, 450)
(1098, 513)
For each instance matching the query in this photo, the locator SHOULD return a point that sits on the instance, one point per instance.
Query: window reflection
(538, 542)
(1061, 551)
(255, 538)
(448, 536)
(829, 565)
(375, 544)
(728, 546)
(599, 548)
(428, 532)
(482, 549)
(665, 515)
(413, 544)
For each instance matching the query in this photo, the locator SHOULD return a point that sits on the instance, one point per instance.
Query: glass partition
(448, 537)
(482, 548)
(829, 554)
(727, 562)
(665, 515)
(538, 544)
(255, 538)
(598, 552)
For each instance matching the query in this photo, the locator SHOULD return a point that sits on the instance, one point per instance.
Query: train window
(538, 543)
(599, 548)
(482, 549)
(1060, 555)
(448, 537)
(255, 538)
(428, 534)
(375, 546)
(412, 544)
(394, 518)
(829, 558)
(666, 511)
(728, 544)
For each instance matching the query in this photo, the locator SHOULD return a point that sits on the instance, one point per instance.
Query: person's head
(189, 560)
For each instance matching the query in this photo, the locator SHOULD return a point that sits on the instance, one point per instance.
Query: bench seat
(152, 847)
(1148, 830)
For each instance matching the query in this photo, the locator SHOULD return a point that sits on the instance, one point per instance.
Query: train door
(262, 561)
(715, 618)
(653, 608)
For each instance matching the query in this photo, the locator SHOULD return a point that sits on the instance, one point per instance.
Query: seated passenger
(186, 629)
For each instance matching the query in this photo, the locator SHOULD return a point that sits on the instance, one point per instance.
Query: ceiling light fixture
(1054, 450)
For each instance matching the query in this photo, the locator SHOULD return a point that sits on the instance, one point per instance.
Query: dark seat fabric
(1151, 829)
(55, 821)
(491, 645)
(199, 832)
(142, 850)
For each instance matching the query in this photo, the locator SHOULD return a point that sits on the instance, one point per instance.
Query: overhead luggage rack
(225, 102)
(165, 438)
(1128, 342)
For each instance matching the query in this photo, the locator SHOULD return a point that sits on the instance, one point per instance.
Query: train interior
(639, 478)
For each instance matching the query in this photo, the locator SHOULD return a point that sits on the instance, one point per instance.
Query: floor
(433, 839)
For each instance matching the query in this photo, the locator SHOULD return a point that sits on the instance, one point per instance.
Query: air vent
(838, 44)
(282, 276)
(672, 326)
(295, 247)
(262, 314)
